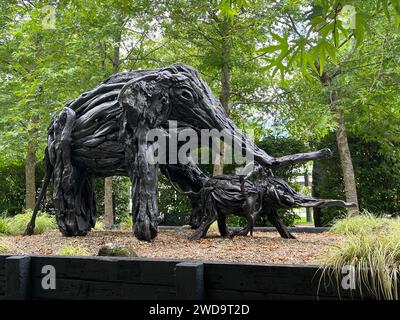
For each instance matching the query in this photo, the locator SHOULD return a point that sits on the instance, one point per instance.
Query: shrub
(100, 226)
(121, 193)
(3, 225)
(126, 222)
(365, 223)
(377, 176)
(69, 250)
(372, 246)
(112, 250)
(17, 224)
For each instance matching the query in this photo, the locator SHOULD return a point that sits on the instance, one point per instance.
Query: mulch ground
(263, 247)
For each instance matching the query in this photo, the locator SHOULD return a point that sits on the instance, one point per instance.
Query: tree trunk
(30, 171)
(108, 194)
(308, 210)
(316, 178)
(108, 203)
(346, 164)
(225, 88)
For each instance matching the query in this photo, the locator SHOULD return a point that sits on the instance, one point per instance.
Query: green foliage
(3, 225)
(307, 40)
(69, 250)
(366, 223)
(12, 186)
(377, 177)
(126, 222)
(372, 247)
(171, 203)
(16, 225)
(121, 190)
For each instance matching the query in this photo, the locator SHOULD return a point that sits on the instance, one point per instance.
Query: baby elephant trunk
(284, 195)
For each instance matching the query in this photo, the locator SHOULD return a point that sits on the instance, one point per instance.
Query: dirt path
(263, 247)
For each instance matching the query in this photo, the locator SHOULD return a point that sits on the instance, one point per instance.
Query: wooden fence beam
(189, 280)
(18, 278)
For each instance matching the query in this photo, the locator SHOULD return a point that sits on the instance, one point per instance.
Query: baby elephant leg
(278, 224)
(205, 223)
(240, 232)
(248, 212)
(223, 229)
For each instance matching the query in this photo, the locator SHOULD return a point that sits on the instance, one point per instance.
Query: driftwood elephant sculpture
(103, 133)
(258, 194)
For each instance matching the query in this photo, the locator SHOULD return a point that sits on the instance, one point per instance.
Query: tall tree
(221, 48)
(319, 41)
(42, 66)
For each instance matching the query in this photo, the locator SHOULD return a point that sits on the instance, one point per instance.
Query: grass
(3, 248)
(365, 223)
(302, 220)
(100, 226)
(72, 251)
(16, 225)
(372, 246)
(213, 227)
(3, 225)
(126, 223)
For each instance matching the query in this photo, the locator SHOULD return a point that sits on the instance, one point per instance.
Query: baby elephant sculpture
(225, 195)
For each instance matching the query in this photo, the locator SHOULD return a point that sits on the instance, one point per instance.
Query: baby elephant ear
(145, 101)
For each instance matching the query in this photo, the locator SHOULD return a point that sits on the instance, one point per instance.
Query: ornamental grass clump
(16, 225)
(69, 250)
(372, 247)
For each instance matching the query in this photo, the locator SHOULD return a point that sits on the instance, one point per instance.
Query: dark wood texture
(190, 280)
(136, 278)
(18, 276)
(3, 275)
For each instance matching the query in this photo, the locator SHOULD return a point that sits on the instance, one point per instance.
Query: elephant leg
(73, 191)
(144, 188)
(201, 231)
(273, 217)
(76, 205)
(223, 229)
(241, 232)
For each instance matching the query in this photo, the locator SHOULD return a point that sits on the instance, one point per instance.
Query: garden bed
(263, 247)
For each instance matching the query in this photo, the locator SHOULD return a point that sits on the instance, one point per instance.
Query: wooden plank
(189, 279)
(127, 270)
(2, 283)
(216, 294)
(272, 279)
(18, 277)
(67, 289)
(3, 258)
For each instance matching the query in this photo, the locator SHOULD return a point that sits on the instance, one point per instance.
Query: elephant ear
(145, 101)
